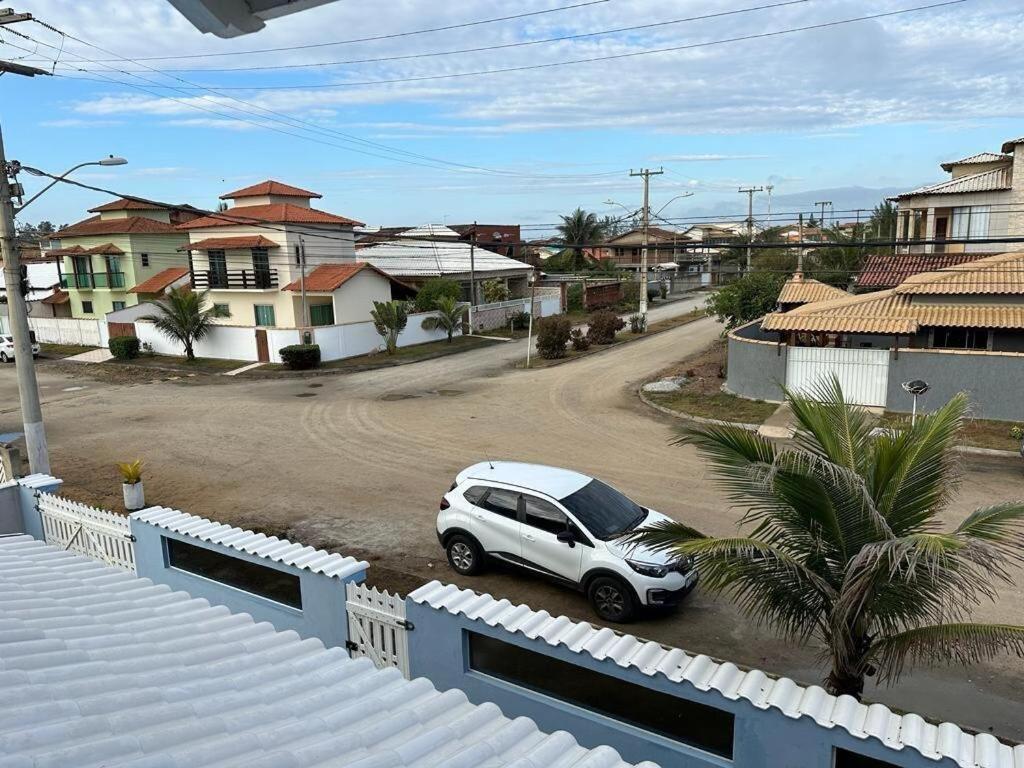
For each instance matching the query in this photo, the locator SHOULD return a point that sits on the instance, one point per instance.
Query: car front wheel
(464, 555)
(612, 599)
(4, 358)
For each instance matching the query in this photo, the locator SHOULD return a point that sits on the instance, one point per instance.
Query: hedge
(301, 357)
(124, 347)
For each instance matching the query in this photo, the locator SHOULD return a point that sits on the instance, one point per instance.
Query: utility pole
(768, 188)
(646, 173)
(17, 311)
(302, 286)
(800, 248)
(750, 220)
(821, 221)
(472, 277)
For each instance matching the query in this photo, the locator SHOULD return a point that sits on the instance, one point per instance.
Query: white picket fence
(377, 627)
(89, 531)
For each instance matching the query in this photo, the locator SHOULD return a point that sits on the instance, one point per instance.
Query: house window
(298, 257)
(845, 759)
(118, 305)
(971, 222)
(145, 259)
(87, 307)
(264, 314)
(218, 273)
(221, 310)
(688, 722)
(960, 338)
(279, 586)
(321, 314)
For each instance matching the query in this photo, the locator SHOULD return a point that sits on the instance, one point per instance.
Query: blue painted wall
(323, 612)
(32, 522)
(438, 650)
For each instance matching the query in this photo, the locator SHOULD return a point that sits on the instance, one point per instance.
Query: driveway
(359, 462)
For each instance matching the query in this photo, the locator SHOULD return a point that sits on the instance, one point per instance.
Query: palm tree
(183, 315)
(447, 317)
(577, 229)
(838, 264)
(845, 545)
(390, 319)
(882, 224)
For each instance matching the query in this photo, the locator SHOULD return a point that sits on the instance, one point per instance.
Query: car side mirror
(567, 537)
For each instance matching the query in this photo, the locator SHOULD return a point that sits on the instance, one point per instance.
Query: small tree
(184, 315)
(389, 320)
(434, 290)
(603, 326)
(495, 291)
(552, 336)
(448, 316)
(752, 296)
(577, 230)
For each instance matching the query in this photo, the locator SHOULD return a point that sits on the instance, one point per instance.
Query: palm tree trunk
(189, 353)
(841, 683)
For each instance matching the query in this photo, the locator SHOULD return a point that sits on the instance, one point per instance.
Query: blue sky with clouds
(875, 104)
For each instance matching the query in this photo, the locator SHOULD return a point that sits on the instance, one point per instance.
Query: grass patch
(171, 362)
(979, 433)
(59, 351)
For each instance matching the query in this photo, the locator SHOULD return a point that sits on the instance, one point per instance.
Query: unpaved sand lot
(358, 463)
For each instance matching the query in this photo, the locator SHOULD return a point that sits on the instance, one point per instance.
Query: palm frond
(963, 643)
(1002, 525)
(830, 426)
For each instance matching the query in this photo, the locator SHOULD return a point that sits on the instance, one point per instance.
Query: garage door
(863, 373)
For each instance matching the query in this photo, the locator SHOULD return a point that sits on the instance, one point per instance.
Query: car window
(474, 494)
(501, 502)
(604, 511)
(544, 515)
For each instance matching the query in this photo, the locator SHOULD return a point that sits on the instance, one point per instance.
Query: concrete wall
(755, 369)
(991, 379)
(763, 738)
(67, 330)
(11, 520)
(225, 342)
(322, 615)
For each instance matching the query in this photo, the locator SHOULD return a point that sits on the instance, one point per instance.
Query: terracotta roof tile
(227, 243)
(888, 271)
(57, 297)
(270, 187)
(276, 213)
(161, 280)
(107, 249)
(802, 290)
(986, 181)
(127, 226)
(329, 277)
(1002, 274)
(981, 157)
(125, 204)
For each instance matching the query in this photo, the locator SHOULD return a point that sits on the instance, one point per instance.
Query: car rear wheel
(464, 555)
(4, 358)
(612, 599)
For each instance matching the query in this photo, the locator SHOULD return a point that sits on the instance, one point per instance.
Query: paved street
(360, 461)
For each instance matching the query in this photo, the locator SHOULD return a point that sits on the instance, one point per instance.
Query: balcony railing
(86, 281)
(233, 279)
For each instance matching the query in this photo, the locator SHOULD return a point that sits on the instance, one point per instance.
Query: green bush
(124, 347)
(574, 297)
(630, 292)
(552, 336)
(603, 326)
(752, 296)
(579, 340)
(495, 291)
(301, 357)
(520, 321)
(638, 323)
(434, 289)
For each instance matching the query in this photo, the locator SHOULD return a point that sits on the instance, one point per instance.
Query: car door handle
(478, 516)
(529, 537)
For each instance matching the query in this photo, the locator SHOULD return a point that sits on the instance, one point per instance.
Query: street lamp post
(17, 310)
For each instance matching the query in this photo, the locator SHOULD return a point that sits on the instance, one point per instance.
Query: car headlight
(648, 569)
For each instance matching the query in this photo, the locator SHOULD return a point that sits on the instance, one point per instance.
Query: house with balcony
(102, 258)
(251, 256)
(626, 250)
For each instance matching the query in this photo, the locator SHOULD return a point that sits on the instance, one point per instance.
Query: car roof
(553, 481)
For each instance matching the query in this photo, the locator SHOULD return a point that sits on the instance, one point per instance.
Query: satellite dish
(916, 387)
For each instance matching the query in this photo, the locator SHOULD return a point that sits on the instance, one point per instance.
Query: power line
(587, 60)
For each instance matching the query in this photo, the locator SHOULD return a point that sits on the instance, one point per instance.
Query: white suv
(7, 348)
(564, 525)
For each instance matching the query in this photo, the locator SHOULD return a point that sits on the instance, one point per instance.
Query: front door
(218, 273)
(542, 522)
(262, 348)
(261, 267)
(941, 227)
(495, 520)
(82, 268)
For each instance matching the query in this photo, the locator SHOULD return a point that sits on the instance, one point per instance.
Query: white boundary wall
(226, 342)
(354, 339)
(69, 330)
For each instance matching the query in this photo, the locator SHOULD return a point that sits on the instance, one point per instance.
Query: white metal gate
(377, 627)
(87, 530)
(863, 373)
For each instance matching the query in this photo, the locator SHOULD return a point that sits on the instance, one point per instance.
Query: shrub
(124, 347)
(638, 323)
(434, 289)
(301, 357)
(752, 296)
(552, 336)
(630, 293)
(520, 321)
(574, 297)
(579, 340)
(495, 291)
(603, 326)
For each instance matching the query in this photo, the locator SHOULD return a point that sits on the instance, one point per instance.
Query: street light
(916, 387)
(677, 197)
(28, 388)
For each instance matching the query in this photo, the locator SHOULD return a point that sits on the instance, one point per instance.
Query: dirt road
(359, 462)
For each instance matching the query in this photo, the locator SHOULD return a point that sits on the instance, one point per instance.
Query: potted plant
(131, 475)
(1017, 433)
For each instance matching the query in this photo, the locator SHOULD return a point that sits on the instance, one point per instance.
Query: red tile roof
(57, 297)
(70, 251)
(329, 277)
(127, 205)
(107, 249)
(227, 243)
(275, 213)
(161, 280)
(131, 225)
(270, 187)
(888, 271)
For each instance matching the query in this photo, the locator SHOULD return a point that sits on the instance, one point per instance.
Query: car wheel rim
(462, 556)
(610, 601)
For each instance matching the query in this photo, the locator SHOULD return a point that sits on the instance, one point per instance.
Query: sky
(854, 111)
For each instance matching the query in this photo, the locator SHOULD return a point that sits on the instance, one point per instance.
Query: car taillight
(444, 503)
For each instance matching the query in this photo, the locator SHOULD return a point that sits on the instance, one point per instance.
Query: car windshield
(603, 511)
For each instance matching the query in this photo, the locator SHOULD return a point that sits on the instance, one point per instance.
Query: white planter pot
(134, 496)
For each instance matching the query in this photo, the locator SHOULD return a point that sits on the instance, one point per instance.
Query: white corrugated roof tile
(864, 721)
(161, 680)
